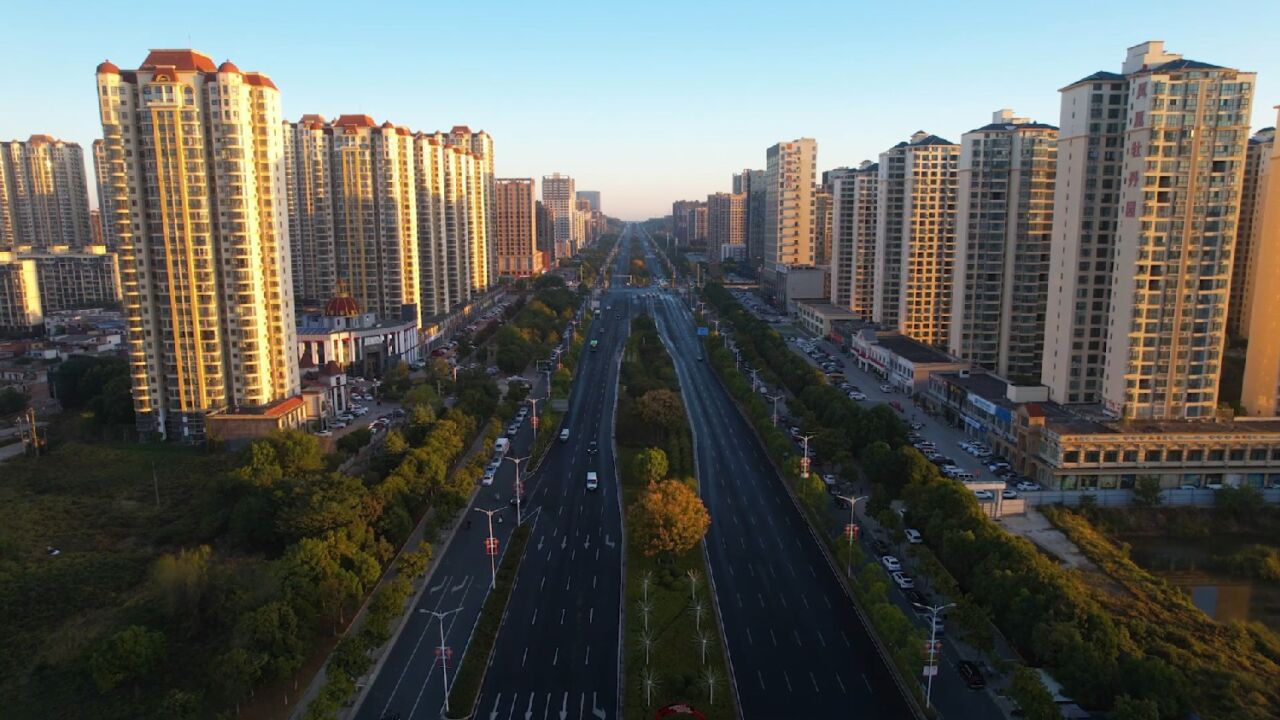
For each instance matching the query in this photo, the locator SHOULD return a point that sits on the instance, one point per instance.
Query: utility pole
(519, 487)
(804, 460)
(754, 380)
(491, 547)
(443, 651)
(849, 531)
(933, 640)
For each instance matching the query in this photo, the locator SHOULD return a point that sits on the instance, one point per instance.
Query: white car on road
(593, 481)
(903, 580)
(891, 563)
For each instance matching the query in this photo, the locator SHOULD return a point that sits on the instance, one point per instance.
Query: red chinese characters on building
(1135, 150)
(1140, 118)
(1130, 208)
(1133, 178)
(1142, 89)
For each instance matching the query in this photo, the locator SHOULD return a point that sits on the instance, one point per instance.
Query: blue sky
(647, 102)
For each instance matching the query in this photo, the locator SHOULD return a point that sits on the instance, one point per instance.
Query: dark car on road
(593, 448)
(881, 547)
(971, 674)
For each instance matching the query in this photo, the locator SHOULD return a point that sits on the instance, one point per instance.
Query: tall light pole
(491, 547)
(754, 379)
(804, 460)
(443, 650)
(775, 399)
(933, 639)
(849, 530)
(534, 421)
(519, 489)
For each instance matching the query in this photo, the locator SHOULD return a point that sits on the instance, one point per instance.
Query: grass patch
(466, 687)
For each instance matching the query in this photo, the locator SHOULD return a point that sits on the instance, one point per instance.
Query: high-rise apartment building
(822, 228)
(854, 196)
(1257, 170)
(20, 309)
(559, 197)
(69, 278)
(44, 199)
(915, 237)
(483, 250)
(789, 222)
(1004, 223)
(726, 222)
(592, 197)
(517, 228)
(1147, 201)
(195, 186)
(1260, 394)
(352, 211)
(689, 221)
(101, 182)
(448, 194)
(546, 233)
(751, 184)
(309, 161)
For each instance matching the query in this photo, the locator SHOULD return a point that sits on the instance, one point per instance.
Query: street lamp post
(519, 488)
(933, 639)
(444, 651)
(804, 459)
(493, 556)
(534, 403)
(775, 399)
(849, 532)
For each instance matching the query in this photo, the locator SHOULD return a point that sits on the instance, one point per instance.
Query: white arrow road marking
(609, 542)
(460, 585)
(564, 707)
(493, 714)
(528, 712)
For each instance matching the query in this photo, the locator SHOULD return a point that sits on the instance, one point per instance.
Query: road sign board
(930, 670)
(491, 546)
(851, 531)
(535, 422)
(937, 646)
(703, 332)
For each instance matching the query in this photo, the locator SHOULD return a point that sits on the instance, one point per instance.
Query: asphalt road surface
(558, 650)
(796, 644)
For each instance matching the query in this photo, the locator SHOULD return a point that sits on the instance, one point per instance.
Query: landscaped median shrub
(672, 644)
(466, 686)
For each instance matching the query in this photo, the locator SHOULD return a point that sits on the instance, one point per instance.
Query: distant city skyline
(640, 82)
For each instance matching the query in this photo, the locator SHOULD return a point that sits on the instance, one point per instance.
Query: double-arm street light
(849, 530)
(775, 399)
(933, 642)
(491, 547)
(519, 488)
(443, 650)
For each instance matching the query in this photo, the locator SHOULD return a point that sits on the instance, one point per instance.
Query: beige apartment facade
(517, 231)
(1260, 395)
(1187, 127)
(196, 193)
(70, 278)
(44, 197)
(559, 197)
(1249, 237)
(1004, 224)
(726, 223)
(790, 206)
(20, 310)
(854, 197)
(915, 237)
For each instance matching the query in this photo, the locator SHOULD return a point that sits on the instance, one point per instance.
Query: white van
(500, 447)
(593, 481)
(564, 435)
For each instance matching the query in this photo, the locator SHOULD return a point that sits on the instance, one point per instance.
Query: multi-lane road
(796, 645)
(558, 649)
